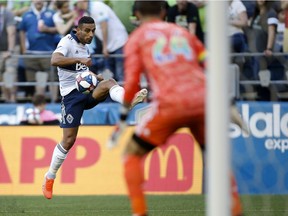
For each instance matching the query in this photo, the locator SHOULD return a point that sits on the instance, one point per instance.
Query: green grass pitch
(164, 205)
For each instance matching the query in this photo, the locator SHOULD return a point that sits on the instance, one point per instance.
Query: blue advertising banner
(102, 114)
(260, 158)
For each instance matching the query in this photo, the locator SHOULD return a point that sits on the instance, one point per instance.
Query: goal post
(217, 117)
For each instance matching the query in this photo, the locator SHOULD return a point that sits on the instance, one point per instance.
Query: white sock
(58, 157)
(117, 93)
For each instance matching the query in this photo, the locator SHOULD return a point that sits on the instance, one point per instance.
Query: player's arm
(58, 59)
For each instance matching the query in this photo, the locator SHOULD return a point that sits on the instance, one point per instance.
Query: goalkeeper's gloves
(119, 128)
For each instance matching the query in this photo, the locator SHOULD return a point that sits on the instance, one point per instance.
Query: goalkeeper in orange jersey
(171, 59)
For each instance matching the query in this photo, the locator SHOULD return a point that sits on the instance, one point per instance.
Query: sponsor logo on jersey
(81, 67)
(75, 67)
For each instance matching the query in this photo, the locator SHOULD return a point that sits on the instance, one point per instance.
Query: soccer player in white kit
(71, 57)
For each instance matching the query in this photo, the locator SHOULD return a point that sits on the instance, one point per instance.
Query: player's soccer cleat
(139, 97)
(47, 187)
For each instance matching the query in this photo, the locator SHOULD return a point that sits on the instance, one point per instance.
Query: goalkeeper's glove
(119, 128)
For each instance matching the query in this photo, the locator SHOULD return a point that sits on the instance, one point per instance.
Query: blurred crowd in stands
(30, 31)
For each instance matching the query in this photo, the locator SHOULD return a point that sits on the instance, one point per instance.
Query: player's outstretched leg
(116, 92)
(139, 97)
(47, 187)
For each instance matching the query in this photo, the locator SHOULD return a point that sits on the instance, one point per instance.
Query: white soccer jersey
(70, 46)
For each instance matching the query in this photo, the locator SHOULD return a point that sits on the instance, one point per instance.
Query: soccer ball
(86, 82)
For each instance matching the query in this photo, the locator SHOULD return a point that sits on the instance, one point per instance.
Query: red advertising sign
(170, 168)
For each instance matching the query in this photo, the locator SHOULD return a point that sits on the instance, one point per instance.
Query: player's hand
(120, 128)
(99, 77)
(116, 134)
(86, 61)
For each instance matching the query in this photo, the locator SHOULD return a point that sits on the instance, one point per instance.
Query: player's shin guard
(134, 180)
(236, 202)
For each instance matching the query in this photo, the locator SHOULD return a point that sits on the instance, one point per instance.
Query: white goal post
(217, 118)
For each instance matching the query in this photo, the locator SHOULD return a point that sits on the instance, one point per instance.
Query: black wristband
(123, 117)
(123, 113)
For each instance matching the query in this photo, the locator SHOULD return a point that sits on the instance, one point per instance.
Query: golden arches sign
(163, 162)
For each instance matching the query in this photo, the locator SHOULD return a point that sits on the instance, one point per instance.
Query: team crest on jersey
(69, 118)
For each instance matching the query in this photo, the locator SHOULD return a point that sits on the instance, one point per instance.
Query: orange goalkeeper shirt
(170, 57)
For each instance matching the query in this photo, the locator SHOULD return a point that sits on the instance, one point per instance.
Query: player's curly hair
(86, 20)
(150, 7)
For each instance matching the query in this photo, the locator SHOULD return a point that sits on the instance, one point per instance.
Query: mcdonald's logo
(170, 167)
(163, 162)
